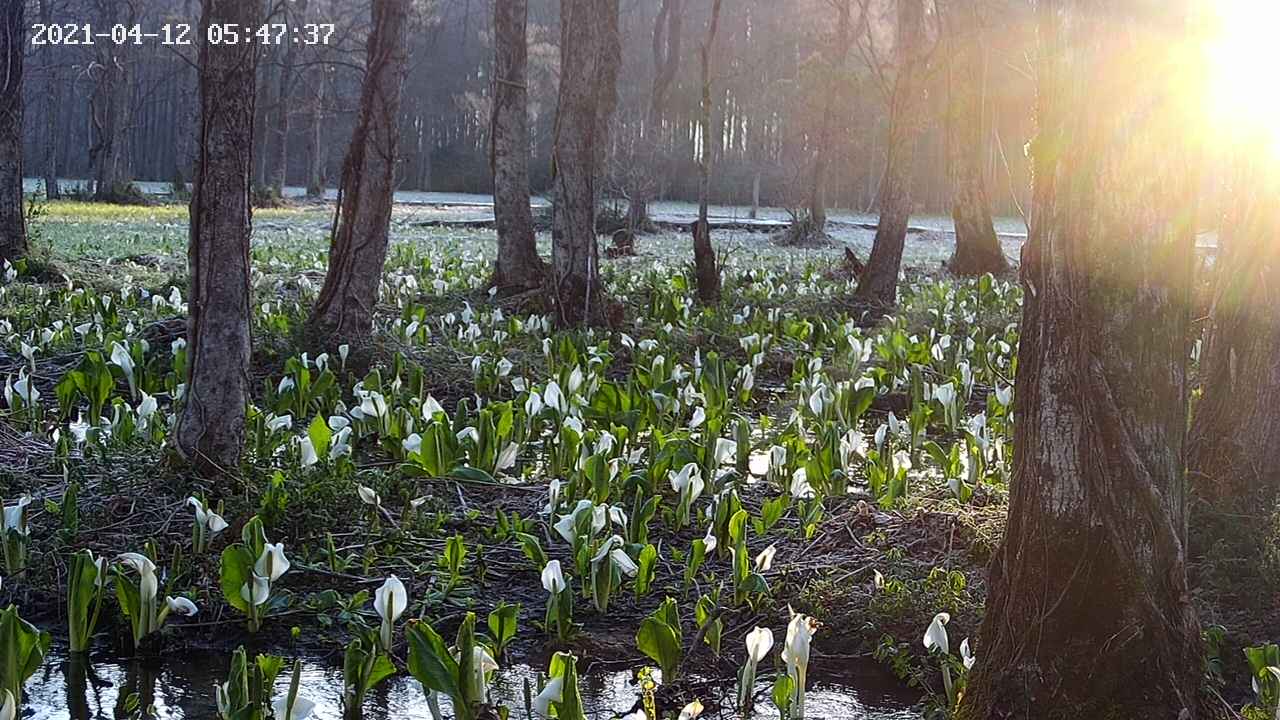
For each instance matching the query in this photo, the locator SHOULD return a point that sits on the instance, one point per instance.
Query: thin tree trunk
(1235, 433)
(51, 111)
(315, 134)
(667, 34)
(835, 56)
(978, 248)
(13, 221)
(755, 195)
(585, 101)
(344, 311)
(879, 284)
(518, 266)
(704, 255)
(1088, 612)
(210, 428)
(278, 160)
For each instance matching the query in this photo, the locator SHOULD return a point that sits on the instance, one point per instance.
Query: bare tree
(667, 32)
(978, 248)
(518, 266)
(879, 283)
(704, 255)
(833, 61)
(361, 224)
(13, 222)
(51, 111)
(210, 428)
(1092, 564)
(588, 64)
(278, 157)
(109, 105)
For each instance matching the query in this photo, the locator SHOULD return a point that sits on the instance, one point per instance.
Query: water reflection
(180, 687)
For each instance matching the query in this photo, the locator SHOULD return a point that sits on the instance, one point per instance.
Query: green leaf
(237, 571)
(430, 661)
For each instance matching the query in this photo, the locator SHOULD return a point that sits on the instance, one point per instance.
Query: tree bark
(315, 134)
(978, 249)
(704, 255)
(518, 266)
(667, 32)
(1235, 432)
(344, 311)
(835, 55)
(879, 284)
(13, 220)
(109, 106)
(52, 190)
(210, 429)
(1088, 611)
(586, 101)
(278, 159)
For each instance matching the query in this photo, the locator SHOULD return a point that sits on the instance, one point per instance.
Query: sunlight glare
(1245, 70)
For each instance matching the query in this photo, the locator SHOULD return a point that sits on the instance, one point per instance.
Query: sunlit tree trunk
(518, 266)
(210, 428)
(704, 255)
(879, 283)
(978, 248)
(344, 310)
(1088, 612)
(1235, 432)
(13, 223)
(667, 33)
(586, 100)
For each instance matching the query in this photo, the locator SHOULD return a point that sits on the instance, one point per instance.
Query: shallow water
(183, 688)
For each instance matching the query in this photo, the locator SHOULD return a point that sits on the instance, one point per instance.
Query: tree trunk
(585, 101)
(344, 311)
(1235, 433)
(13, 221)
(879, 284)
(315, 134)
(210, 429)
(518, 266)
(109, 107)
(278, 159)
(835, 55)
(755, 195)
(1088, 612)
(667, 33)
(704, 255)
(52, 190)
(978, 249)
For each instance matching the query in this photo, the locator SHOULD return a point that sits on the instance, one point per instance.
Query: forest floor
(870, 550)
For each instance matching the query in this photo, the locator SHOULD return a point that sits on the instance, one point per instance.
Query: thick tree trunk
(210, 429)
(1235, 433)
(978, 249)
(704, 255)
(13, 221)
(109, 107)
(344, 311)
(52, 190)
(1088, 612)
(667, 35)
(879, 284)
(518, 266)
(586, 100)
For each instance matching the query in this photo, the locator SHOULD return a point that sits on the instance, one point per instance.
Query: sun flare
(1245, 70)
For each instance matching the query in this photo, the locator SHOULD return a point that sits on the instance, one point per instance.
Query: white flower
(764, 561)
(302, 708)
(8, 708)
(341, 443)
(724, 451)
(691, 711)
(1004, 395)
(699, 417)
(936, 635)
(552, 692)
(553, 578)
(759, 643)
(390, 601)
(687, 480)
(507, 458)
(308, 450)
(901, 461)
(966, 655)
(368, 496)
(181, 606)
(207, 518)
(256, 592)
(709, 540)
(412, 444)
(800, 486)
(15, 516)
(286, 384)
(276, 423)
(554, 398)
(121, 357)
(272, 563)
(430, 407)
(567, 525)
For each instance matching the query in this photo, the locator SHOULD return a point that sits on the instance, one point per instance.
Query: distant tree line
(793, 88)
